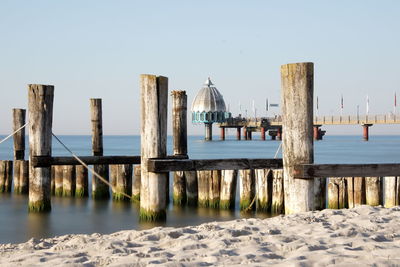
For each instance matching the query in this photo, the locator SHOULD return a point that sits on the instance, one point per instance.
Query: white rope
(16, 131)
(88, 168)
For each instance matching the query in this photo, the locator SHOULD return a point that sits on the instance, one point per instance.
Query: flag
(266, 105)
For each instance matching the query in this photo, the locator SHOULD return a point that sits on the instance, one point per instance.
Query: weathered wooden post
(297, 81)
(356, 191)
(121, 174)
(100, 190)
(264, 189)
(179, 130)
(136, 183)
(214, 189)
(337, 193)
(247, 189)
(203, 180)
(40, 110)
(19, 146)
(6, 172)
(58, 180)
(52, 182)
(69, 180)
(82, 184)
(228, 189)
(391, 193)
(154, 104)
(373, 191)
(191, 188)
(277, 192)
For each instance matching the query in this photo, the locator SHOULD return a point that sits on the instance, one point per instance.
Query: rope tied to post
(91, 170)
(16, 131)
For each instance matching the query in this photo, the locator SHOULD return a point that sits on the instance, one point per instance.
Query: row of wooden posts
(292, 184)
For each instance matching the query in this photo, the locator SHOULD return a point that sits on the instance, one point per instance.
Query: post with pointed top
(100, 190)
(154, 104)
(297, 81)
(40, 110)
(179, 129)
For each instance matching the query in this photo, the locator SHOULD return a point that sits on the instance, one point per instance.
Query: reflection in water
(39, 225)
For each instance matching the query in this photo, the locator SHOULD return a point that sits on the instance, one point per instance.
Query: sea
(85, 216)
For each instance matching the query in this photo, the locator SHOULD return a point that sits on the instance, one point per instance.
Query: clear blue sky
(99, 48)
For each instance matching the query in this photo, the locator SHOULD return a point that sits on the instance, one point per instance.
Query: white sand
(361, 236)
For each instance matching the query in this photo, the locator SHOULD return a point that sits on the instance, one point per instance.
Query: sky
(98, 49)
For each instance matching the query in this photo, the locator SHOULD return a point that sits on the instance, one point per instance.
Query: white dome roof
(208, 99)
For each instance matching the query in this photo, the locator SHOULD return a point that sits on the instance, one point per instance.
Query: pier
(287, 185)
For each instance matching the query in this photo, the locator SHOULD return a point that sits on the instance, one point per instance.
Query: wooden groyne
(288, 185)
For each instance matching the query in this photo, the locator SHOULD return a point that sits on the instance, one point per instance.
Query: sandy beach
(361, 236)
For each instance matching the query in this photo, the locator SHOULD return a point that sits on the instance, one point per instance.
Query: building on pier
(208, 107)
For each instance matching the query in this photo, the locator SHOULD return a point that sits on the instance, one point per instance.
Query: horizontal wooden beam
(309, 171)
(39, 161)
(167, 165)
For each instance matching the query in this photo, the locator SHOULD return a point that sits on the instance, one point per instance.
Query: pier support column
(40, 110)
(208, 135)
(222, 133)
(279, 133)
(245, 133)
(249, 135)
(366, 131)
(297, 111)
(154, 104)
(238, 137)
(263, 133)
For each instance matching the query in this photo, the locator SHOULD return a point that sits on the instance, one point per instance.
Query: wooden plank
(166, 165)
(309, 171)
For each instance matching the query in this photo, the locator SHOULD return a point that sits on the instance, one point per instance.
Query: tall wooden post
(40, 110)
(297, 81)
(247, 189)
(391, 193)
(154, 104)
(19, 147)
(100, 190)
(373, 191)
(228, 189)
(179, 130)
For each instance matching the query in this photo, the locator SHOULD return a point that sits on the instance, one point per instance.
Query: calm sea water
(71, 215)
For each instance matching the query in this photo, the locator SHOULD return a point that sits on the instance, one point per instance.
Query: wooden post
(58, 180)
(228, 189)
(391, 194)
(69, 181)
(122, 175)
(23, 176)
(52, 183)
(203, 180)
(82, 184)
(19, 145)
(297, 81)
(100, 190)
(136, 183)
(319, 193)
(247, 189)
(191, 188)
(373, 191)
(40, 108)
(277, 192)
(6, 172)
(356, 191)
(179, 129)
(264, 189)
(154, 103)
(333, 194)
(214, 189)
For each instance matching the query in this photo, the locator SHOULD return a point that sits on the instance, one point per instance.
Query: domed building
(208, 107)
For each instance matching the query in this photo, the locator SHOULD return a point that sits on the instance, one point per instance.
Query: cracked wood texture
(154, 104)
(297, 85)
(19, 137)
(40, 110)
